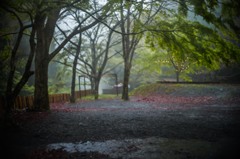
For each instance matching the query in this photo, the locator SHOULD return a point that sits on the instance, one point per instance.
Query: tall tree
(46, 18)
(45, 22)
(74, 69)
(96, 43)
(133, 15)
(186, 39)
(13, 89)
(99, 52)
(74, 46)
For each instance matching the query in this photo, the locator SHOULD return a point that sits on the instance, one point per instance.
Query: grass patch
(149, 89)
(145, 89)
(101, 96)
(177, 89)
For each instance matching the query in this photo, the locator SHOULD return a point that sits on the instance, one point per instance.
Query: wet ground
(165, 126)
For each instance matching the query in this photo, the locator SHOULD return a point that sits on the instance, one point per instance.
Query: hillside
(190, 90)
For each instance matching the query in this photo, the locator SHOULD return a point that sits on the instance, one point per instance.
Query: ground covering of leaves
(200, 112)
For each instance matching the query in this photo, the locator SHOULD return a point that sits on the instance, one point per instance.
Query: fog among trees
(46, 44)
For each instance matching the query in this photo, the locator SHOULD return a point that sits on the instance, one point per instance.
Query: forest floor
(172, 122)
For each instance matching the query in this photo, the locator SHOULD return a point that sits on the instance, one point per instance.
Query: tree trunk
(127, 47)
(7, 110)
(45, 25)
(11, 96)
(96, 87)
(41, 99)
(92, 84)
(13, 91)
(177, 75)
(72, 98)
(127, 69)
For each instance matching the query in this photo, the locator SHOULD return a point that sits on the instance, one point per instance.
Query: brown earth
(184, 123)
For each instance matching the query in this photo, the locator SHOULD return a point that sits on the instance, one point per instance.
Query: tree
(13, 89)
(133, 15)
(95, 44)
(187, 41)
(96, 57)
(75, 62)
(75, 46)
(221, 16)
(203, 47)
(45, 22)
(46, 18)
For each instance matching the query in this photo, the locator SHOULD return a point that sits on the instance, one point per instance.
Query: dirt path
(157, 126)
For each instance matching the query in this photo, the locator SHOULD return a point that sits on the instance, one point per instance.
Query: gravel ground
(177, 125)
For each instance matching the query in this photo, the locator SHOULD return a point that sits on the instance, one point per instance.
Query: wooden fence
(26, 102)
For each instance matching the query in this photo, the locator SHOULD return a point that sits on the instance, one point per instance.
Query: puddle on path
(150, 148)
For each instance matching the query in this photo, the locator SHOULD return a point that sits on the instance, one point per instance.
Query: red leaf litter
(156, 101)
(168, 102)
(66, 108)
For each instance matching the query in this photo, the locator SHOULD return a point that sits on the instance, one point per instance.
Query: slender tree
(74, 69)
(13, 89)
(96, 43)
(99, 52)
(133, 15)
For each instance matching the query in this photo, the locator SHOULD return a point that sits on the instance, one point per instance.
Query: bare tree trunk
(177, 75)
(75, 62)
(127, 69)
(92, 84)
(7, 110)
(9, 96)
(126, 49)
(96, 88)
(45, 26)
(72, 97)
(13, 91)
(41, 99)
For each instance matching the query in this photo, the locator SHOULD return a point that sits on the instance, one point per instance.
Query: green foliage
(27, 90)
(59, 78)
(187, 39)
(230, 15)
(101, 96)
(189, 45)
(205, 9)
(173, 39)
(146, 60)
(145, 67)
(182, 8)
(5, 68)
